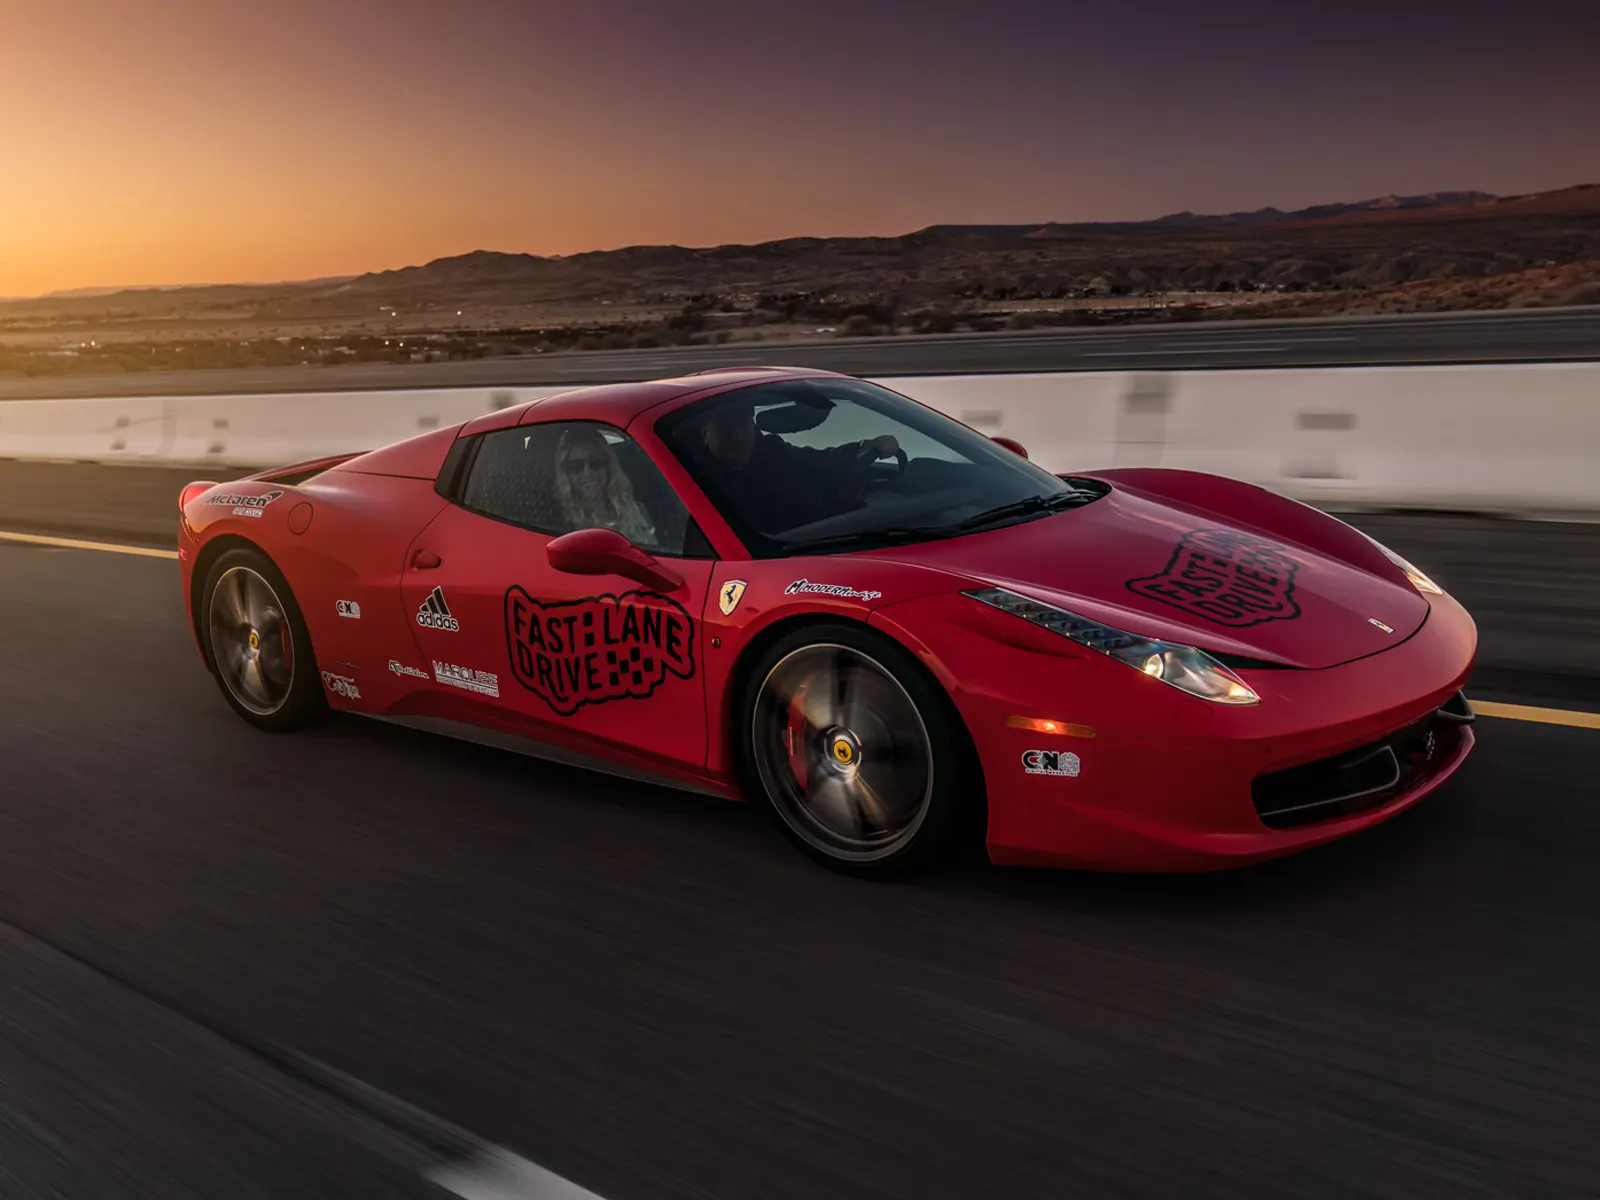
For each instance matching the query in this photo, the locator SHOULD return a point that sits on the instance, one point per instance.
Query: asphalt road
(1529, 335)
(652, 995)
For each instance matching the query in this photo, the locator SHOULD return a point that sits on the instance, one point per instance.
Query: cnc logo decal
(1380, 624)
(843, 591)
(485, 683)
(1231, 578)
(1050, 762)
(341, 685)
(400, 668)
(435, 613)
(348, 608)
(597, 649)
(244, 505)
(728, 598)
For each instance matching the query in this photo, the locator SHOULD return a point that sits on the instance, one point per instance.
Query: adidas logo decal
(435, 613)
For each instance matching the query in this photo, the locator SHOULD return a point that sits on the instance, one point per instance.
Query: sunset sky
(170, 141)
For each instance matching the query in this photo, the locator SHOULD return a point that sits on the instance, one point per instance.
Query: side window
(559, 477)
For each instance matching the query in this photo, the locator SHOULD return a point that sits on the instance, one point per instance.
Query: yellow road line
(1545, 716)
(34, 539)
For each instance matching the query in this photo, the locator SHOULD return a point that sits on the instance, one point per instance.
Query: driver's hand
(884, 447)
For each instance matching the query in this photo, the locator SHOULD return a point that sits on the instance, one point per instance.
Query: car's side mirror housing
(1012, 445)
(607, 552)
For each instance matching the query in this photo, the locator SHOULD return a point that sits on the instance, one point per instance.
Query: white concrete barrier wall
(238, 431)
(1516, 439)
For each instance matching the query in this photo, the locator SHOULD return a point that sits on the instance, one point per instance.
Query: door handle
(425, 560)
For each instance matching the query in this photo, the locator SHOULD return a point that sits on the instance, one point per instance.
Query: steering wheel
(855, 484)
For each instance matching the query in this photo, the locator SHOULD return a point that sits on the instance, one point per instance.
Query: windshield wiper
(897, 535)
(894, 535)
(1020, 508)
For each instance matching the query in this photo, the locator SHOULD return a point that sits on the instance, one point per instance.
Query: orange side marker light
(1044, 725)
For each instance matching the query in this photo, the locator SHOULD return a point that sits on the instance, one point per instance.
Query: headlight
(1184, 667)
(1418, 580)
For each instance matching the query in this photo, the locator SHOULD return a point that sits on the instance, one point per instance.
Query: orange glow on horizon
(181, 141)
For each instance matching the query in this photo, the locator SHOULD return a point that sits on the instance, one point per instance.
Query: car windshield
(815, 465)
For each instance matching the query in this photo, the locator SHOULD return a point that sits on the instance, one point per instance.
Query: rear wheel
(858, 753)
(257, 641)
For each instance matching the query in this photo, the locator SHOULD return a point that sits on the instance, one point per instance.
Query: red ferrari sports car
(802, 588)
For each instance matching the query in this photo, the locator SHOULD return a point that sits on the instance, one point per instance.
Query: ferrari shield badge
(728, 598)
(1222, 575)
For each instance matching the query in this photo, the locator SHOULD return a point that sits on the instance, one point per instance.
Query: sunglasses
(577, 465)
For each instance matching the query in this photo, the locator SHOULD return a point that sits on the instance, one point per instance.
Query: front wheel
(259, 648)
(859, 754)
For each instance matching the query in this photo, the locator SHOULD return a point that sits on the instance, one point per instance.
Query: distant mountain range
(1379, 204)
(1375, 243)
(92, 293)
(1260, 216)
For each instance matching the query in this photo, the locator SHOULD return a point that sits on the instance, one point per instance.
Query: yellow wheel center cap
(843, 752)
(255, 640)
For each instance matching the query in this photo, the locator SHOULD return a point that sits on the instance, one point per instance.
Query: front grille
(1363, 778)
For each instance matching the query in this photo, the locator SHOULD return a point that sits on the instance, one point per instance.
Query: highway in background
(245, 965)
(1531, 335)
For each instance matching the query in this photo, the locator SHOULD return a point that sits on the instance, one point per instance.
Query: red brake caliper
(794, 736)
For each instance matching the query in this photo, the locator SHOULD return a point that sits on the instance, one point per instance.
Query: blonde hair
(616, 507)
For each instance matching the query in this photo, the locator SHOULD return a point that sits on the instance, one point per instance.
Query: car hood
(1164, 571)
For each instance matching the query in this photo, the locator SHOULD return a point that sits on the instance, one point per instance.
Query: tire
(257, 643)
(857, 751)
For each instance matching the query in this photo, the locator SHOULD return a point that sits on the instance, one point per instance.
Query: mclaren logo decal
(599, 648)
(1222, 575)
(435, 613)
(244, 499)
(728, 598)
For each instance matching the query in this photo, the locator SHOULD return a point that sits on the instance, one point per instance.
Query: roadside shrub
(934, 320)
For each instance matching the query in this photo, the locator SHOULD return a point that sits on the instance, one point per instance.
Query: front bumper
(1164, 782)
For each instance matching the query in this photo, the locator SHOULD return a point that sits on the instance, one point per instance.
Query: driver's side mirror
(607, 552)
(1012, 445)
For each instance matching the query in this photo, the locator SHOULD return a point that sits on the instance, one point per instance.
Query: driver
(779, 485)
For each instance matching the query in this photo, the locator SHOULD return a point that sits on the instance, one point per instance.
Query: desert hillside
(1391, 254)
